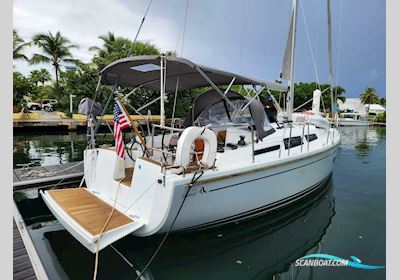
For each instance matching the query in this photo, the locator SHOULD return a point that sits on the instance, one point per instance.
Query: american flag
(121, 122)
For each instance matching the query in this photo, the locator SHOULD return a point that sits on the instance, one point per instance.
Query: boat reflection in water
(254, 249)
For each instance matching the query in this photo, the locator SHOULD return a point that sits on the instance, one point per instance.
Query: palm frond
(39, 58)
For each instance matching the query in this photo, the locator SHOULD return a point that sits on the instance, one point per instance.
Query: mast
(162, 90)
(290, 96)
(330, 79)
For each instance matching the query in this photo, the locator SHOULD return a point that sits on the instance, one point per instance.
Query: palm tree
(369, 96)
(56, 49)
(115, 47)
(18, 45)
(41, 76)
(108, 42)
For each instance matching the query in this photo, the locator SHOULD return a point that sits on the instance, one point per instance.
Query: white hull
(247, 195)
(237, 188)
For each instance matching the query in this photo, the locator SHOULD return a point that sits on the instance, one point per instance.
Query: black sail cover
(212, 98)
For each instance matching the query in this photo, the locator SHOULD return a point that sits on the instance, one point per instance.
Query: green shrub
(381, 117)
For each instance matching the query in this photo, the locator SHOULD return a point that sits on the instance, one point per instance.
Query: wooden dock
(22, 266)
(26, 262)
(46, 176)
(41, 120)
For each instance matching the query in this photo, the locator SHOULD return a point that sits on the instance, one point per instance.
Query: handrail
(162, 151)
(167, 127)
(302, 138)
(308, 136)
(290, 139)
(327, 136)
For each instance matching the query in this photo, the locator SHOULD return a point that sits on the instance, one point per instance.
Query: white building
(375, 109)
(352, 105)
(355, 105)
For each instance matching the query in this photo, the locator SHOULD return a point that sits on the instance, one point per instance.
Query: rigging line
(323, 104)
(184, 27)
(140, 27)
(194, 179)
(173, 109)
(140, 196)
(241, 20)
(122, 256)
(338, 49)
(309, 44)
(96, 261)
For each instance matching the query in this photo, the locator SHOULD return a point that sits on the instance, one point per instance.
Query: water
(346, 219)
(50, 149)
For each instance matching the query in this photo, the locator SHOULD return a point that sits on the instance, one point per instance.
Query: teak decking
(87, 210)
(128, 177)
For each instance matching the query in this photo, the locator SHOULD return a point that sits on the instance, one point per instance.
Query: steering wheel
(133, 140)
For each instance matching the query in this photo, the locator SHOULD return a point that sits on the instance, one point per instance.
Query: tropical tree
(18, 46)
(55, 50)
(108, 41)
(40, 76)
(82, 82)
(382, 101)
(304, 93)
(22, 87)
(115, 47)
(369, 96)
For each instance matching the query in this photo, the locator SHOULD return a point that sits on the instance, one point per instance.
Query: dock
(377, 124)
(26, 262)
(41, 120)
(46, 176)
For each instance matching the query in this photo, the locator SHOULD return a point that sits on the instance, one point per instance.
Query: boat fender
(185, 142)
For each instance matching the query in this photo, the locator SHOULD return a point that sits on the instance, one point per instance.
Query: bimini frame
(161, 73)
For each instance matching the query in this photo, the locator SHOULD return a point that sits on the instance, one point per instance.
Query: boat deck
(128, 177)
(87, 210)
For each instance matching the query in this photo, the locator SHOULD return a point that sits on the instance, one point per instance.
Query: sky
(244, 37)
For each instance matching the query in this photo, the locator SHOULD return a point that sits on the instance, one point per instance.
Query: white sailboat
(227, 163)
(353, 119)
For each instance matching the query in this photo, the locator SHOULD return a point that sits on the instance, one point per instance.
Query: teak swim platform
(88, 211)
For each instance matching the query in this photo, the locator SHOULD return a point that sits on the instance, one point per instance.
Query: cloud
(233, 35)
(83, 21)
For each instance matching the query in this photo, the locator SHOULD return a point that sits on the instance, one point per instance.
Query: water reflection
(49, 149)
(362, 138)
(255, 249)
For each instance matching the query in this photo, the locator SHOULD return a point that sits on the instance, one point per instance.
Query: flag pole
(133, 125)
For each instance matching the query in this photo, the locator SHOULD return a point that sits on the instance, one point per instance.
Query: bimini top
(144, 71)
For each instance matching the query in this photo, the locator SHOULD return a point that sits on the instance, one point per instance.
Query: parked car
(34, 106)
(48, 104)
(51, 101)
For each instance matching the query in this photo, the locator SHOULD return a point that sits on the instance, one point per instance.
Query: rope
(194, 179)
(309, 44)
(37, 173)
(96, 262)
